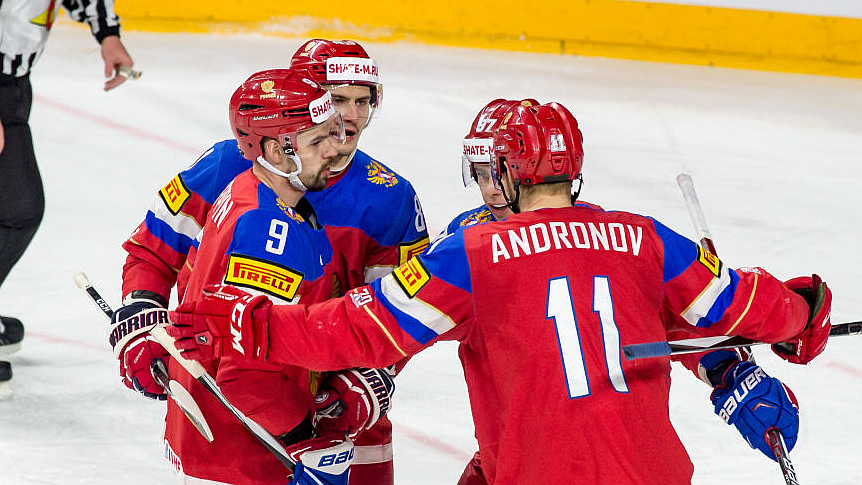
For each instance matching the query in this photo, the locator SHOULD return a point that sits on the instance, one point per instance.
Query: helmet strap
(346, 164)
(512, 203)
(577, 191)
(292, 177)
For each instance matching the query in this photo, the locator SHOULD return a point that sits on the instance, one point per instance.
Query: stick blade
(190, 408)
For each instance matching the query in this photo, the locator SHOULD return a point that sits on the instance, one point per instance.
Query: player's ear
(274, 154)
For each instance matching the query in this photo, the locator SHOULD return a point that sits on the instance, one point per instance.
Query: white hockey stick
(198, 372)
(773, 436)
(174, 389)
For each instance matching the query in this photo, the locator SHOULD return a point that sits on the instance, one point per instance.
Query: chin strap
(513, 204)
(334, 170)
(292, 177)
(577, 192)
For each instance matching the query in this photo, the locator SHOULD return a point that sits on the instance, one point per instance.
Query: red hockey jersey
(253, 240)
(542, 304)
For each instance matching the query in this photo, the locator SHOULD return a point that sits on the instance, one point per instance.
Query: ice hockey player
(542, 303)
(372, 217)
(476, 169)
(262, 235)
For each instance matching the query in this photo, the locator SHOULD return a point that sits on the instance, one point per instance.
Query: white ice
(775, 157)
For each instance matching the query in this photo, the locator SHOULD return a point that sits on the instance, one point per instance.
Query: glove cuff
(145, 296)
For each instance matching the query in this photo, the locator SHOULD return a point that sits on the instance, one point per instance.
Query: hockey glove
(133, 346)
(755, 403)
(351, 401)
(321, 461)
(812, 340)
(225, 320)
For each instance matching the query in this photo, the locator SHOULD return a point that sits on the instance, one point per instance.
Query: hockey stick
(174, 389)
(773, 436)
(703, 344)
(198, 372)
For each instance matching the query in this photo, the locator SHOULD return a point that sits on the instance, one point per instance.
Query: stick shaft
(198, 372)
(689, 346)
(686, 185)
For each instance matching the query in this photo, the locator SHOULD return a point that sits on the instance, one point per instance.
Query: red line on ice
(849, 369)
(117, 126)
(432, 442)
(68, 341)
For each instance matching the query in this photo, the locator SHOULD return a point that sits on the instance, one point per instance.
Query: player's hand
(115, 57)
(321, 461)
(225, 319)
(755, 403)
(134, 347)
(352, 400)
(811, 342)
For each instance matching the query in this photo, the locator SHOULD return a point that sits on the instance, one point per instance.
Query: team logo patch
(288, 211)
(175, 194)
(711, 261)
(408, 250)
(480, 217)
(412, 276)
(378, 174)
(268, 277)
(361, 296)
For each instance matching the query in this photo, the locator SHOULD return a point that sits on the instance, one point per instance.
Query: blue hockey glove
(755, 403)
(321, 461)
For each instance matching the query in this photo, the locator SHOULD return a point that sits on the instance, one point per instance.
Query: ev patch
(412, 276)
(408, 250)
(175, 194)
(268, 277)
(711, 261)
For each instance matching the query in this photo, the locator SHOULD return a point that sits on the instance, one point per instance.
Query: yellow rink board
(622, 29)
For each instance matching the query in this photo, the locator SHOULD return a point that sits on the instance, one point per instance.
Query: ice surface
(775, 158)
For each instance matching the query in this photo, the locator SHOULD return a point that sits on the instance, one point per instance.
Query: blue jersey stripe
(412, 326)
(679, 252)
(447, 260)
(716, 312)
(160, 229)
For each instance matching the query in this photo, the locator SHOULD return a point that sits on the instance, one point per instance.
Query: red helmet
(538, 144)
(479, 141)
(339, 62)
(276, 103)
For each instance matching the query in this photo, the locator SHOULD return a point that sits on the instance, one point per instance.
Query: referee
(24, 27)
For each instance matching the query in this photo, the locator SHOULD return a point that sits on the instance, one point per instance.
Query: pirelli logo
(175, 194)
(408, 250)
(268, 277)
(711, 261)
(412, 276)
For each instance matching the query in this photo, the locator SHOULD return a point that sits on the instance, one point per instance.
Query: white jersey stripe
(705, 301)
(426, 314)
(180, 223)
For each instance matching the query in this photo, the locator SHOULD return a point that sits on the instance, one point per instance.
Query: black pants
(22, 200)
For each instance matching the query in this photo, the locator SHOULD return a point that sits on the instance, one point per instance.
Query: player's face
(317, 148)
(354, 104)
(492, 196)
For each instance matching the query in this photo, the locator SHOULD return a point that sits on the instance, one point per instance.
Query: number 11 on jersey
(561, 310)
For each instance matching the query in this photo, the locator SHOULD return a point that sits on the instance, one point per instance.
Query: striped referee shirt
(24, 27)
